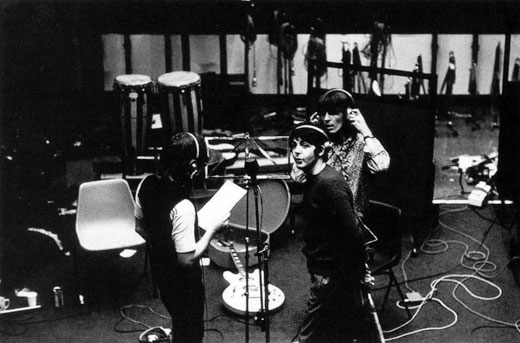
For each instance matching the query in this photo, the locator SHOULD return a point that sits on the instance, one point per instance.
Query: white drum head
(133, 79)
(274, 207)
(179, 79)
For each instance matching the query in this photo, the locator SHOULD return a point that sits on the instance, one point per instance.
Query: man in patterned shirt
(355, 152)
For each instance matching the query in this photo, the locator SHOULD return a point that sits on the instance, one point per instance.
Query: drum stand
(262, 317)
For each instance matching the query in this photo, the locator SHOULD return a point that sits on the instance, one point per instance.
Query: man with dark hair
(355, 152)
(168, 221)
(333, 242)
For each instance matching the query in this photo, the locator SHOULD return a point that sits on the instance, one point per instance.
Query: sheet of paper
(223, 201)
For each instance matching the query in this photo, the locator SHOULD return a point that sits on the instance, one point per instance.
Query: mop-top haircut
(312, 135)
(184, 153)
(335, 99)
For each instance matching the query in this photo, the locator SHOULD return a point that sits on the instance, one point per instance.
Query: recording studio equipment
(316, 54)
(447, 87)
(515, 75)
(472, 87)
(276, 200)
(359, 80)
(248, 36)
(253, 209)
(349, 96)
(379, 42)
(508, 184)
(346, 58)
(495, 87)
(133, 91)
(157, 334)
(199, 159)
(181, 102)
(417, 83)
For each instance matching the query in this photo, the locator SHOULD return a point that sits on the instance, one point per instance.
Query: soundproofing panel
(508, 173)
(406, 130)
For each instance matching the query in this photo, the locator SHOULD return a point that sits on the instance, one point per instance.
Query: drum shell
(181, 103)
(275, 199)
(274, 203)
(134, 115)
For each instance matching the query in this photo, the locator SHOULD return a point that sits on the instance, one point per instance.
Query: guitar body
(234, 296)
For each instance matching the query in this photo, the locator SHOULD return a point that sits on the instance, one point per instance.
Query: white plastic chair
(105, 219)
(105, 216)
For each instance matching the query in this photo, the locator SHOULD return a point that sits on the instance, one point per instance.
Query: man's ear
(321, 151)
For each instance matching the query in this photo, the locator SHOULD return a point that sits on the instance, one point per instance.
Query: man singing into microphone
(168, 221)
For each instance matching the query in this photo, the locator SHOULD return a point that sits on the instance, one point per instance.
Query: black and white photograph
(278, 171)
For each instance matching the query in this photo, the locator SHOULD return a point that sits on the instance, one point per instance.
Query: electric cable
(432, 243)
(217, 331)
(116, 329)
(482, 216)
(124, 316)
(517, 326)
(481, 260)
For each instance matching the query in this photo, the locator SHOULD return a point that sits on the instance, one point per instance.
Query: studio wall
(148, 58)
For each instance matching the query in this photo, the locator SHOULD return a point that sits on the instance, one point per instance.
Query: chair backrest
(385, 222)
(105, 215)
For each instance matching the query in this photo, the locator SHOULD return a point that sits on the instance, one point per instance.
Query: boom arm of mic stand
(263, 152)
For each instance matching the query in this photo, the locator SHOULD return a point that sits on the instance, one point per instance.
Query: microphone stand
(246, 244)
(262, 317)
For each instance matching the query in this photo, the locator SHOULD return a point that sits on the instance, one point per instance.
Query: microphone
(251, 166)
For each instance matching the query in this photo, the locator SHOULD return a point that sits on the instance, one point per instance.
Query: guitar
(234, 296)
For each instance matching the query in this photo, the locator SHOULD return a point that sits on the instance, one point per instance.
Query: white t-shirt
(182, 217)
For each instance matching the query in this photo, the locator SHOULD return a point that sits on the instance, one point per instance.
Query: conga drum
(133, 91)
(181, 101)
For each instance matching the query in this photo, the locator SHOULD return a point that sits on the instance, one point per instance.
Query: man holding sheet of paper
(167, 219)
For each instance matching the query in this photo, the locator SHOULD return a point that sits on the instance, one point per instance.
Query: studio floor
(467, 306)
(119, 302)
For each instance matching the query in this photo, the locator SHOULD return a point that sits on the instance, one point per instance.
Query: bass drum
(274, 200)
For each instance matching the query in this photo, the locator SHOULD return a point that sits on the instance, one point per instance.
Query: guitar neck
(236, 259)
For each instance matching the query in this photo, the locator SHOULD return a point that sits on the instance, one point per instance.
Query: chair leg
(148, 263)
(145, 271)
(78, 278)
(291, 221)
(387, 292)
(394, 281)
